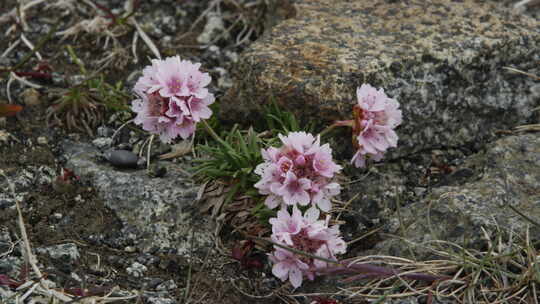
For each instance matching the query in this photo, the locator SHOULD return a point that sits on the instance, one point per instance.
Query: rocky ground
(104, 228)
(75, 228)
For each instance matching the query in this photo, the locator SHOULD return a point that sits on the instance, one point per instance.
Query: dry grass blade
(505, 272)
(10, 48)
(521, 72)
(146, 39)
(528, 128)
(180, 149)
(24, 81)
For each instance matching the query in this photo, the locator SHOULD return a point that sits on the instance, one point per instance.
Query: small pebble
(31, 97)
(122, 158)
(419, 191)
(136, 269)
(130, 249)
(42, 140)
(104, 131)
(154, 282)
(102, 142)
(167, 285)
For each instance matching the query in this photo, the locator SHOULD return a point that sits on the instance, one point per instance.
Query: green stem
(339, 123)
(215, 136)
(76, 59)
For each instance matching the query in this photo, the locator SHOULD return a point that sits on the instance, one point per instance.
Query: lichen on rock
(509, 176)
(443, 61)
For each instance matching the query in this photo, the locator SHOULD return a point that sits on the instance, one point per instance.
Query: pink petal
(312, 214)
(281, 270)
(324, 204)
(295, 276)
(272, 201)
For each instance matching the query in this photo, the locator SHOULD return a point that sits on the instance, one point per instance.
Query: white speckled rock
(510, 176)
(156, 213)
(64, 252)
(443, 60)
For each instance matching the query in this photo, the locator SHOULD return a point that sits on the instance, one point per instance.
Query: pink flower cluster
(299, 172)
(308, 234)
(173, 98)
(375, 118)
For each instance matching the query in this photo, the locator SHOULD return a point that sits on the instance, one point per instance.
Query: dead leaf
(9, 109)
(213, 197)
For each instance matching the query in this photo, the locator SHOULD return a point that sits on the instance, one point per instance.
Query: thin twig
(38, 47)
(148, 155)
(521, 72)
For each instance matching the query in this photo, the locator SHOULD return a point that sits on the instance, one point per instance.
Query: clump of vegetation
(82, 107)
(227, 169)
(234, 158)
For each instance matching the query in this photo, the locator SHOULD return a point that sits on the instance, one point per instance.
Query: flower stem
(148, 154)
(349, 266)
(215, 136)
(300, 252)
(338, 123)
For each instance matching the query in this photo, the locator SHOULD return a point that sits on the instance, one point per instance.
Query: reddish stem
(107, 11)
(344, 123)
(9, 282)
(363, 271)
(34, 75)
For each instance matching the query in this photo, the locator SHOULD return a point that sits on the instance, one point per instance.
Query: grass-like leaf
(232, 160)
(280, 121)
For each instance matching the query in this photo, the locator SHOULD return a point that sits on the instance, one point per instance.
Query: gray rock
(42, 140)
(155, 213)
(167, 285)
(130, 249)
(136, 269)
(24, 180)
(224, 80)
(157, 298)
(5, 240)
(11, 266)
(102, 142)
(444, 65)
(67, 253)
(213, 29)
(104, 131)
(152, 283)
(122, 158)
(510, 177)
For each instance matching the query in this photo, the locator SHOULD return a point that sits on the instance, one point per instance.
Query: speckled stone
(441, 59)
(510, 177)
(156, 213)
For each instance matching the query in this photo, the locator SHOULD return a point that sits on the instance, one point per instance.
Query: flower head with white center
(375, 118)
(305, 233)
(298, 172)
(173, 98)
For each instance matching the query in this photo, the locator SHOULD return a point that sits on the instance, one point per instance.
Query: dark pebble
(152, 283)
(122, 158)
(4, 204)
